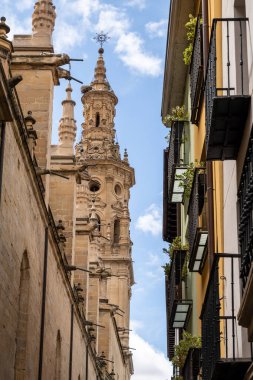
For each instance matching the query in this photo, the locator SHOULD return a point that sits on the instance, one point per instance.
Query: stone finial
(4, 29)
(93, 215)
(67, 124)
(126, 156)
(43, 18)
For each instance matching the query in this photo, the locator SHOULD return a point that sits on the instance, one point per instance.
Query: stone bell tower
(106, 195)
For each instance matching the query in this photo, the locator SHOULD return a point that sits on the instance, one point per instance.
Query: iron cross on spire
(101, 38)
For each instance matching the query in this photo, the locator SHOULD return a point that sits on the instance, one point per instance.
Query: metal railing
(219, 326)
(174, 147)
(196, 204)
(175, 282)
(233, 58)
(192, 364)
(245, 199)
(197, 74)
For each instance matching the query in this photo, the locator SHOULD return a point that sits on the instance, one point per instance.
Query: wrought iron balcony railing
(169, 208)
(197, 74)
(170, 330)
(245, 200)
(221, 353)
(227, 104)
(197, 225)
(178, 308)
(192, 364)
(174, 158)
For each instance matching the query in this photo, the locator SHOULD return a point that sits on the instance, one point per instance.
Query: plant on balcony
(181, 350)
(177, 114)
(187, 177)
(190, 33)
(176, 245)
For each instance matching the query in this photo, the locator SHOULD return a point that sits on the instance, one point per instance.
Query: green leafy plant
(176, 245)
(190, 33)
(177, 114)
(181, 350)
(166, 268)
(186, 178)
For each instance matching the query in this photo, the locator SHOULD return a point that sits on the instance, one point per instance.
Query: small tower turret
(67, 125)
(43, 18)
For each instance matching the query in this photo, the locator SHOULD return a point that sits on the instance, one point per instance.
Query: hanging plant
(190, 27)
(176, 245)
(177, 114)
(186, 179)
(181, 350)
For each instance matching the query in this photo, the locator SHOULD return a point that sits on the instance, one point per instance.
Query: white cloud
(149, 364)
(66, 36)
(130, 49)
(113, 21)
(151, 221)
(157, 29)
(141, 4)
(25, 4)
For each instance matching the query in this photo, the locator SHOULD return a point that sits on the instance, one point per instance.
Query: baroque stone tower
(104, 198)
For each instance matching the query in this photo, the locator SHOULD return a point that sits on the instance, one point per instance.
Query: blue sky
(134, 60)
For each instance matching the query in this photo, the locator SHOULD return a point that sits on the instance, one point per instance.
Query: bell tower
(107, 194)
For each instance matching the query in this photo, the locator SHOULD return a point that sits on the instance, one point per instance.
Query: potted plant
(181, 350)
(187, 177)
(178, 113)
(176, 247)
(190, 33)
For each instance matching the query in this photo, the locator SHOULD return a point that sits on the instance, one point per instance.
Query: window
(97, 119)
(116, 236)
(94, 186)
(23, 311)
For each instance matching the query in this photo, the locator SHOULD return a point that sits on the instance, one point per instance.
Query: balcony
(197, 225)
(192, 364)
(174, 190)
(197, 74)
(169, 209)
(245, 200)
(178, 308)
(227, 106)
(222, 356)
(170, 330)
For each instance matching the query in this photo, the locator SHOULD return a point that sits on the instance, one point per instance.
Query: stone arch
(116, 231)
(58, 356)
(20, 366)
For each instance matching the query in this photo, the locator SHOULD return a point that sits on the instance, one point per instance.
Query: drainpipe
(87, 363)
(43, 305)
(209, 163)
(71, 342)
(2, 138)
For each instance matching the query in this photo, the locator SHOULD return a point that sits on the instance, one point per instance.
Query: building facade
(66, 266)
(207, 179)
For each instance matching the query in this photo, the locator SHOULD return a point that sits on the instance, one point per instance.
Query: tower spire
(100, 82)
(67, 124)
(43, 18)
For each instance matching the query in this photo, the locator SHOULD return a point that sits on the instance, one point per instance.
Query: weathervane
(101, 38)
